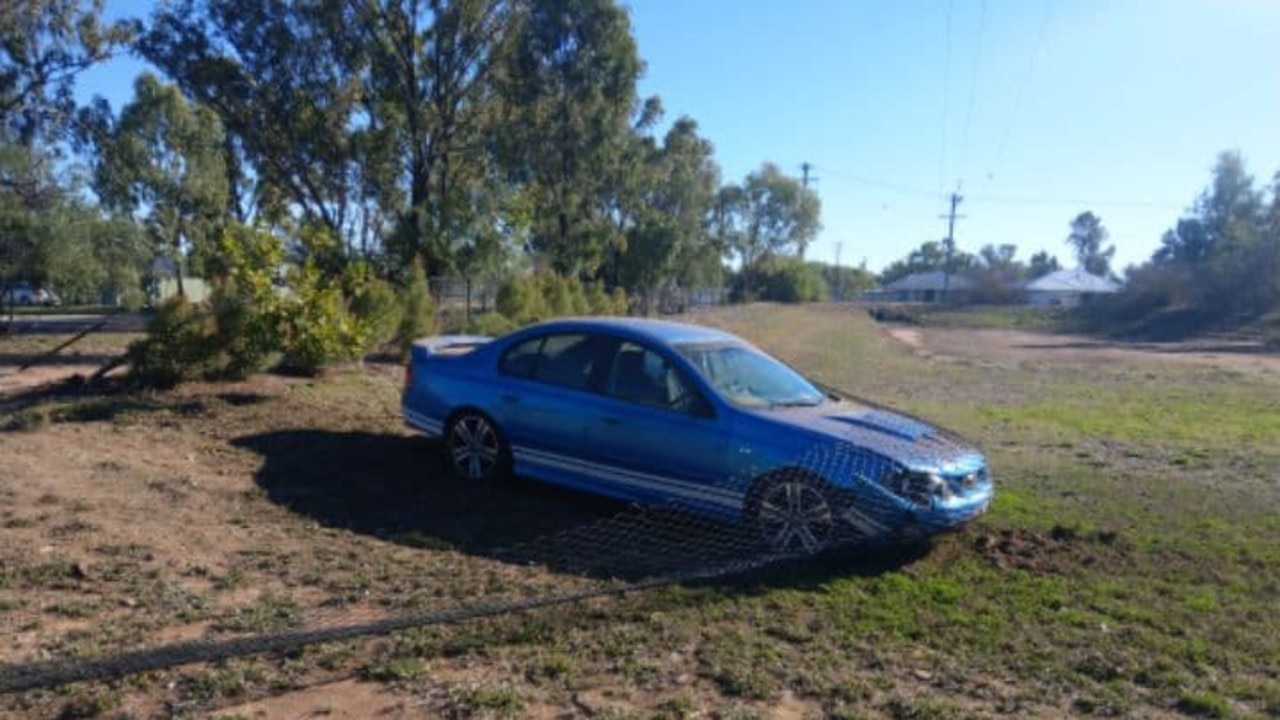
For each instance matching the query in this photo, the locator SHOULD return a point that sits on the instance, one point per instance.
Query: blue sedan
(664, 413)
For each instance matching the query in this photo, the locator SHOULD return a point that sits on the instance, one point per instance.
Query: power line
(884, 184)
(1022, 86)
(946, 101)
(1014, 200)
(997, 199)
(973, 89)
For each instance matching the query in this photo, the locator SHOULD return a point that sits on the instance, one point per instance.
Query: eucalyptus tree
(162, 162)
(567, 83)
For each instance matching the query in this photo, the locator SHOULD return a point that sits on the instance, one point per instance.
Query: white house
(1068, 288)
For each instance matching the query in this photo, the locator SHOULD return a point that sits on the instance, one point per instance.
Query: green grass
(1177, 464)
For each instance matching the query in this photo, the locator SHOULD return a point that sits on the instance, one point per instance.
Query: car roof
(660, 331)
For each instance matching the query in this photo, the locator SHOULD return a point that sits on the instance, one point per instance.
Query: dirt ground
(1016, 347)
(219, 510)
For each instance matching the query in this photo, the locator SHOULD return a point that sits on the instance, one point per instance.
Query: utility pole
(839, 275)
(950, 243)
(806, 167)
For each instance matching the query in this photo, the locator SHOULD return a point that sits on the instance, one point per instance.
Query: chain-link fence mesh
(482, 549)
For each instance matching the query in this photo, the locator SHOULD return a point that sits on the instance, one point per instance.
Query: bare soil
(1014, 347)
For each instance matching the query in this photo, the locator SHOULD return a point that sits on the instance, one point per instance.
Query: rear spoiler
(447, 345)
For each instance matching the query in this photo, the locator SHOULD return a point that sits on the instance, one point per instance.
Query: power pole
(806, 167)
(950, 243)
(839, 275)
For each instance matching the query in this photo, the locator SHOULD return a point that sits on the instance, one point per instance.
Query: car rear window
(567, 360)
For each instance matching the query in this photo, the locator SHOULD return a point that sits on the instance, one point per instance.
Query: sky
(1032, 110)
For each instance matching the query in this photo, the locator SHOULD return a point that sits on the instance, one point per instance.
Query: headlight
(918, 488)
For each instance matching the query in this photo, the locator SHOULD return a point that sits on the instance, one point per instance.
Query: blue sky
(1035, 109)
(1118, 107)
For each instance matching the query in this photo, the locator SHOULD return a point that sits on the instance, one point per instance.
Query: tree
(930, 256)
(668, 240)
(1225, 246)
(285, 80)
(428, 101)
(1086, 240)
(44, 44)
(567, 83)
(845, 283)
(163, 157)
(777, 215)
(1220, 261)
(1041, 264)
(1222, 213)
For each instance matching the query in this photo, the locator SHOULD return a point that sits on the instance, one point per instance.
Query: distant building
(1068, 288)
(926, 287)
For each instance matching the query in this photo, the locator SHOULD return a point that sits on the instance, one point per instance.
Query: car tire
(793, 513)
(476, 449)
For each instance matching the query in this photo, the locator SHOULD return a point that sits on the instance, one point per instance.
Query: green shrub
(521, 300)
(175, 349)
(244, 337)
(576, 297)
(492, 324)
(132, 298)
(316, 329)
(418, 312)
(374, 304)
(618, 302)
(556, 296)
(780, 280)
(598, 301)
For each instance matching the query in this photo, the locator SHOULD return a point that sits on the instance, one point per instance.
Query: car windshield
(747, 377)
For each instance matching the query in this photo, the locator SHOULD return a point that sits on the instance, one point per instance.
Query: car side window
(521, 359)
(642, 376)
(567, 360)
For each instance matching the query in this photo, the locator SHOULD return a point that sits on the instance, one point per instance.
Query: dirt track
(1017, 347)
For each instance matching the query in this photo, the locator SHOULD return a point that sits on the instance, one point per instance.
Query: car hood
(911, 442)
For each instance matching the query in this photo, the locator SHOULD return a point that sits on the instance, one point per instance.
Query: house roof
(935, 280)
(1076, 280)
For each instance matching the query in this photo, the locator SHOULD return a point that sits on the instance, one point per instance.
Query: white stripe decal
(422, 422)
(855, 517)
(632, 473)
(653, 482)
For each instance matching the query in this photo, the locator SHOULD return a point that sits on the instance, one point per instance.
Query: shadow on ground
(43, 359)
(397, 488)
(77, 400)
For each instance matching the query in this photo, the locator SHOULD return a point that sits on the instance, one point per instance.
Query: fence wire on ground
(631, 551)
(568, 548)
(584, 552)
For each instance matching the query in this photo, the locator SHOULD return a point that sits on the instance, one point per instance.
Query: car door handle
(609, 420)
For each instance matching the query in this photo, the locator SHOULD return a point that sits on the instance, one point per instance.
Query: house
(1067, 288)
(927, 287)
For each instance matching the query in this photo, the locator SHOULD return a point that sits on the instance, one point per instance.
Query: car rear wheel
(793, 514)
(475, 448)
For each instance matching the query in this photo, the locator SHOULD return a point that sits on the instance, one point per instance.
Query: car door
(655, 435)
(540, 405)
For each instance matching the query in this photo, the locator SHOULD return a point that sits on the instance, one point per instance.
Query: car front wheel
(794, 515)
(475, 448)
